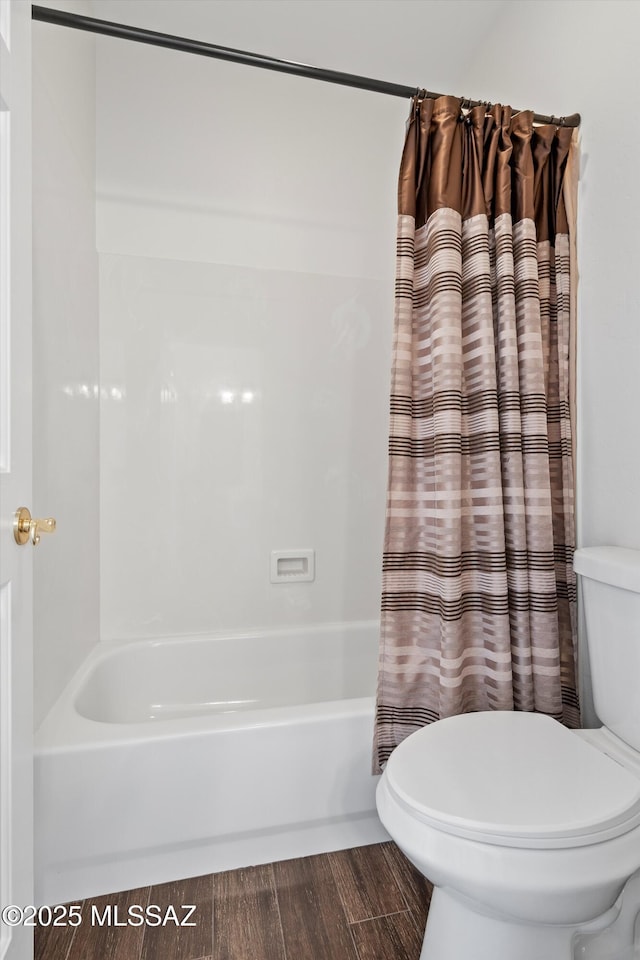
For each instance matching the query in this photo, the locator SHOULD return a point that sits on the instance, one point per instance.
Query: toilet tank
(610, 579)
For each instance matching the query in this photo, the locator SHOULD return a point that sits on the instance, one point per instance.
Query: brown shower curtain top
(488, 163)
(478, 605)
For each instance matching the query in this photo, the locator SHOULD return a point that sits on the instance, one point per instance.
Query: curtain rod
(124, 32)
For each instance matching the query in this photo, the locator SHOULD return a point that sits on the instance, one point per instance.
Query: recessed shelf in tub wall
(293, 565)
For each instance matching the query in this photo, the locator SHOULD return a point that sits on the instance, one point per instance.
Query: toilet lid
(517, 779)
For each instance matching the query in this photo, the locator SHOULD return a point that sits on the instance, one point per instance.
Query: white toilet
(530, 832)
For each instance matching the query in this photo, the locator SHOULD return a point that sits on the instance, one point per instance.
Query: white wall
(65, 371)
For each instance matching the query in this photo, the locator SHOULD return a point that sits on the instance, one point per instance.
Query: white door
(16, 714)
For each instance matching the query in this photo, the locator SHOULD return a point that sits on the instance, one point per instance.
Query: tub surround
(256, 398)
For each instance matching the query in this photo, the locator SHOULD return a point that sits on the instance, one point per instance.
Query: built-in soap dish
(289, 566)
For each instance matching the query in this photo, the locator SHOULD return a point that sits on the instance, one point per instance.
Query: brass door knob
(25, 528)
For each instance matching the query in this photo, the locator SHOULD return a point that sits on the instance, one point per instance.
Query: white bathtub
(173, 758)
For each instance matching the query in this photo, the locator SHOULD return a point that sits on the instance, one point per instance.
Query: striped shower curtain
(478, 604)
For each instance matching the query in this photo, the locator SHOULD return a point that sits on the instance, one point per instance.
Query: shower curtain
(478, 602)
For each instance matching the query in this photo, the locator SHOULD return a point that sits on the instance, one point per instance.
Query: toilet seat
(513, 779)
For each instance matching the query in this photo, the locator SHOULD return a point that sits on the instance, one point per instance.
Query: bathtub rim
(64, 728)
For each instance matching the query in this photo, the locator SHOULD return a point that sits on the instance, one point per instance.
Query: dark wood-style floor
(368, 903)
